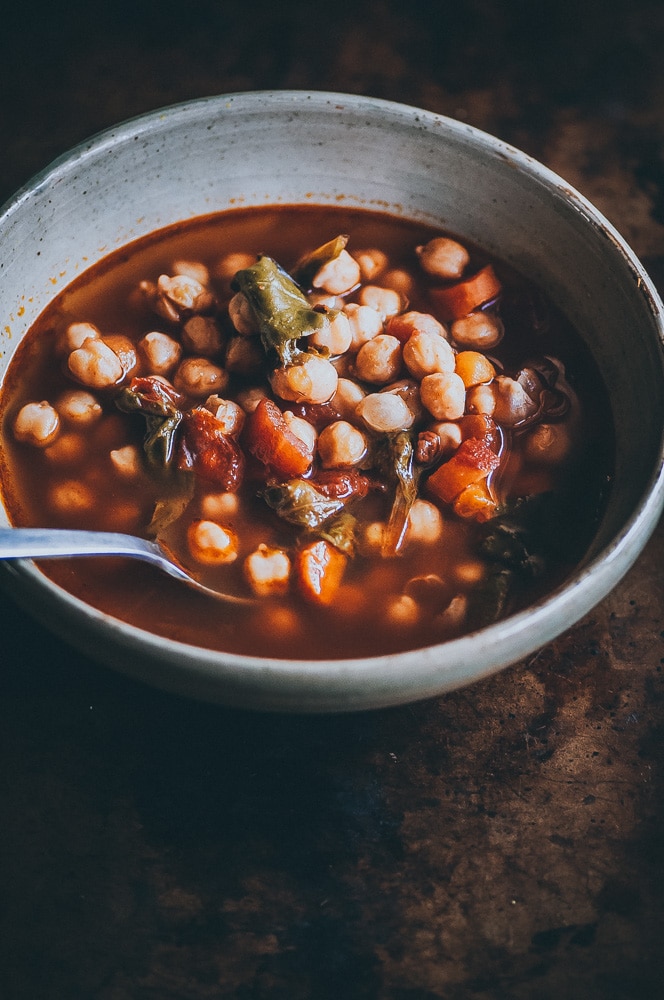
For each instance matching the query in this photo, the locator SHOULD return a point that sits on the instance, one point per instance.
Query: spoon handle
(42, 543)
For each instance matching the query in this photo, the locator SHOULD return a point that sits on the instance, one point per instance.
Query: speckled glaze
(294, 147)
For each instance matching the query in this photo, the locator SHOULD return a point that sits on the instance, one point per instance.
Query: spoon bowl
(60, 543)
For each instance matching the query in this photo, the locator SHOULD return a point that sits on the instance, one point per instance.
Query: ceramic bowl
(301, 147)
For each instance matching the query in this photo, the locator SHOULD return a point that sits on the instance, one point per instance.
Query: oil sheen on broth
(386, 437)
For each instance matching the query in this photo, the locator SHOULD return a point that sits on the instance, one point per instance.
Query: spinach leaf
(283, 312)
(301, 504)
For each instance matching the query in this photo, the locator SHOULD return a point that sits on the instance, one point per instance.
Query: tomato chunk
(210, 453)
(269, 439)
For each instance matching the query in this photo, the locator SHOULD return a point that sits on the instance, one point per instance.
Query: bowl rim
(583, 589)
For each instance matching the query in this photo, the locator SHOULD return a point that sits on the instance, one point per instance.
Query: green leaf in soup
(301, 504)
(283, 312)
(171, 505)
(160, 441)
(397, 462)
(157, 403)
(340, 532)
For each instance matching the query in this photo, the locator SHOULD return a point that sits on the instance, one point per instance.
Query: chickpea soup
(382, 436)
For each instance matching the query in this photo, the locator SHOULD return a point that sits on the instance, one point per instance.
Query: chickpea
(338, 275)
(312, 380)
(211, 543)
(373, 537)
(124, 349)
(281, 622)
(326, 300)
(548, 444)
(67, 449)
(123, 516)
(127, 461)
(302, 429)
(403, 611)
(230, 415)
(244, 355)
(444, 395)
(74, 336)
(346, 398)
(449, 435)
(242, 315)
(227, 266)
(399, 281)
(181, 295)
(455, 612)
(95, 364)
(385, 412)
(513, 404)
(71, 496)
(160, 353)
(250, 398)
(425, 522)
(379, 360)
(471, 571)
(198, 377)
(481, 399)
(267, 571)
(479, 330)
(371, 262)
(219, 505)
(192, 269)
(336, 336)
(404, 325)
(385, 301)
(340, 445)
(443, 257)
(426, 353)
(409, 390)
(202, 336)
(37, 424)
(365, 324)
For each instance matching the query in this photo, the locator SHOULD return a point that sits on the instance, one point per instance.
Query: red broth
(481, 495)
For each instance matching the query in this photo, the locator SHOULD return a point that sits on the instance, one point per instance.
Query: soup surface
(384, 437)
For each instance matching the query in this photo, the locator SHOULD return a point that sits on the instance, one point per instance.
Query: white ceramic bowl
(293, 147)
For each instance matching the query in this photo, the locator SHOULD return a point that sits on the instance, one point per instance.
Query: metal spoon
(54, 543)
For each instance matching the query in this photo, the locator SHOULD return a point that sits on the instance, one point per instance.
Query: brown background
(505, 841)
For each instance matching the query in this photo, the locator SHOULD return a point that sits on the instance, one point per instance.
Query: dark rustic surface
(505, 841)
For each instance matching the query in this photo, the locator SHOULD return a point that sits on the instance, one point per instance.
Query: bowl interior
(296, 147)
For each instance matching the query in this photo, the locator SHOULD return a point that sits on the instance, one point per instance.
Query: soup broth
(386, 438)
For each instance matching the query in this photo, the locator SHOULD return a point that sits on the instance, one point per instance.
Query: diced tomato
(268, 438)
(319, 570)
(341, 485)
(482, 426)
(156, 393)
(208, 452)
(472, 462)
(455, 301)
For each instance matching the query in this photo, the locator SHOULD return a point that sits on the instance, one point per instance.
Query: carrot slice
(456, 301)
(476, 503)
(472, 462)
(269, 439)
(319, 569)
